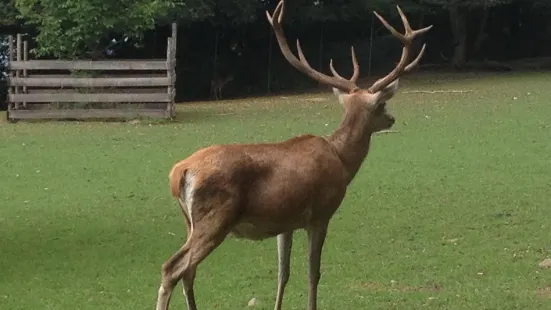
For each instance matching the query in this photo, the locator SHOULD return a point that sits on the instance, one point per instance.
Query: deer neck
(352, 139)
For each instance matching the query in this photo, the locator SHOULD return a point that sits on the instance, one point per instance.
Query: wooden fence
(86, 89)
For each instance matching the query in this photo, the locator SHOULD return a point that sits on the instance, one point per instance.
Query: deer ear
(388, 92)
(340, 94)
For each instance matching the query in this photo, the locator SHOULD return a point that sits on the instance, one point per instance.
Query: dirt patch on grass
(316, 99)
(396, 287)
(544, 292)
(546, 263)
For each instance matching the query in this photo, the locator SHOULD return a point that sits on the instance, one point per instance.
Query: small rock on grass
(546, 263)
(252, 302)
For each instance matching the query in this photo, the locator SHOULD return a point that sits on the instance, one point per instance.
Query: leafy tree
(76, 28)
(8, 13)
(459, 12)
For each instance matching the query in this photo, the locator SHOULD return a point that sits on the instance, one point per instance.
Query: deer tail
(176, 178)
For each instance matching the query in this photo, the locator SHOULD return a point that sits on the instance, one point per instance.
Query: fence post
(11, 89)
(25, 58)
(18, 72)
(169, 75)
(173, 68)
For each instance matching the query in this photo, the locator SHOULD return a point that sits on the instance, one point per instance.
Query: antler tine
(335, 73)
(301, 63)
(301, 55)
(405, 21)
(391, 29)
(277, 13)
(355, 65)
(415, 62)
(407, 39)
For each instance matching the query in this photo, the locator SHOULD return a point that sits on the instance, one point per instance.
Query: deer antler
(406, 39)
(301, 63)
(354, 64)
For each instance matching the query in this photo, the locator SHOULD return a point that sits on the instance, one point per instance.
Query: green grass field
(453, 211)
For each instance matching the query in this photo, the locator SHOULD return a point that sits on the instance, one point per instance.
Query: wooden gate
(86, 89)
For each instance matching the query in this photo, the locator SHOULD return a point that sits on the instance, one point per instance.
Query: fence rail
(91, 65)
(87, 114)
(96, 98)
(90, 82)
(83, 89)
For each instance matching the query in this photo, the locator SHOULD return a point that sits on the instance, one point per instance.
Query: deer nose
(392, 120)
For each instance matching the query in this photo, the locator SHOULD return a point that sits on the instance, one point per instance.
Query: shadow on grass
(182, 116)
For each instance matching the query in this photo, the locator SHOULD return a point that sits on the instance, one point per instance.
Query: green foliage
(188, 11)
(73, 28)
(83, 28)
(216, 11)
(238, 12)
(8, 13)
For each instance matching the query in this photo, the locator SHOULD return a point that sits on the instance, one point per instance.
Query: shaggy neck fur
(352, 138)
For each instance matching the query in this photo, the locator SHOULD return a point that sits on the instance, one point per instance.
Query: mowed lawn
(452, 211)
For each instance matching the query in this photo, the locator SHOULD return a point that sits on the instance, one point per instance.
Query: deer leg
(188, 223)
(207, 234)
(203, 248)
(168, 279)
(284, 244)
(183, 265)
(212, 92)
(316, 238)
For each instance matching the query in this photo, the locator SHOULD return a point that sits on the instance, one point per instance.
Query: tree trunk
(458, 20)
(482, 34)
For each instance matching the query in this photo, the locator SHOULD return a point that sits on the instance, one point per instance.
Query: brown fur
(175, 177)
(266, 182)
(259, 191)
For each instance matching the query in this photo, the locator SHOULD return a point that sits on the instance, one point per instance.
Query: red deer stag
(259, 191)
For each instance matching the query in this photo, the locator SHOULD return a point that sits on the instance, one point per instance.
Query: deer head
(370, 101)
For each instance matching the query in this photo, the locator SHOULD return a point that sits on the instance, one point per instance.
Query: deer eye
(380, 108)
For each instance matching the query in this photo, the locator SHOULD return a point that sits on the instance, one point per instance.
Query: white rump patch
(189, 190)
